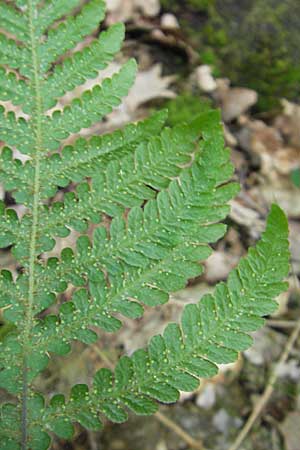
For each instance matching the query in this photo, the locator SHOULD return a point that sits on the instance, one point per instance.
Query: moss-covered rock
(255, 43)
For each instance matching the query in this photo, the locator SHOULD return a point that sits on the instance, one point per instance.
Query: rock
(291, 430)
(161, 446)
(218, 266)
(267, 347)
(207, 398)
(237, 101)
(280, 189)
(286, 160)
(150, 8)
(223, 422)
(205, 80)
(112, 5)
(246, 217)
(123, 10)
(289, 369)
(288, 123)
(169, 21)
(230, 139)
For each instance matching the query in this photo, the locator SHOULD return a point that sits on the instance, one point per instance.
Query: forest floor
(265, 149)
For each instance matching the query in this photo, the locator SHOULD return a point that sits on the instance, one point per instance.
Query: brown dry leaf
(291, 431)
(264, 139)
(289, 122)
(278, 189)
(237, 102)
(247, 217)
(150, 84)
(123, 10)
(230, 139)
(267, 143)
(234, 101)
(273, 183)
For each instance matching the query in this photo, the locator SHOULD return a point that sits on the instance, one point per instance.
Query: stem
(37, 121)
(189, 440)
(268, 390)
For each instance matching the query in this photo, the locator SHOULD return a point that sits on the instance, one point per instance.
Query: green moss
(174, 6)
(261, 48)
(255, 43)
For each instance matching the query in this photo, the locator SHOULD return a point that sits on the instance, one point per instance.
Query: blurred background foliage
(256, 43)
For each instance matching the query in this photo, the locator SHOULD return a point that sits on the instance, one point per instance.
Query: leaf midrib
(29, 312)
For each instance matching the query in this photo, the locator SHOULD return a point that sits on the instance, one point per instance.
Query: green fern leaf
(211, 332)
(51, 12)
(156, 197)
(14, 56)
(70, 32)
(14, 90)
(86, 158)
(14, 131)
(82, 65)
(13, 22)
(92, 106)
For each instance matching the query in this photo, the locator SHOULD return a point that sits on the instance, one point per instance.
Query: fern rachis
(165, 192)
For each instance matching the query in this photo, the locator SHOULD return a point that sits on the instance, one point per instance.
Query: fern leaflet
(156, 197)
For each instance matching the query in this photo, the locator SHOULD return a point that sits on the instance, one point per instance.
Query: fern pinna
(165, 192)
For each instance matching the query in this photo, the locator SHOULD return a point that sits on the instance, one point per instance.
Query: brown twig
(268, 390)
(189, 440)
(282, 323)
(104, 357)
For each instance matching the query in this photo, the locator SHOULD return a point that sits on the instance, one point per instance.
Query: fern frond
(14, 56)
(16, 131)
(211, 332)
(51, 11)
(70, 32)
(92, 106)
(82, 65)
(128, 182)
(164, 192)
(15, 90)
(86, 158)
(13, 22)
(144, 255)
(125, 295)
